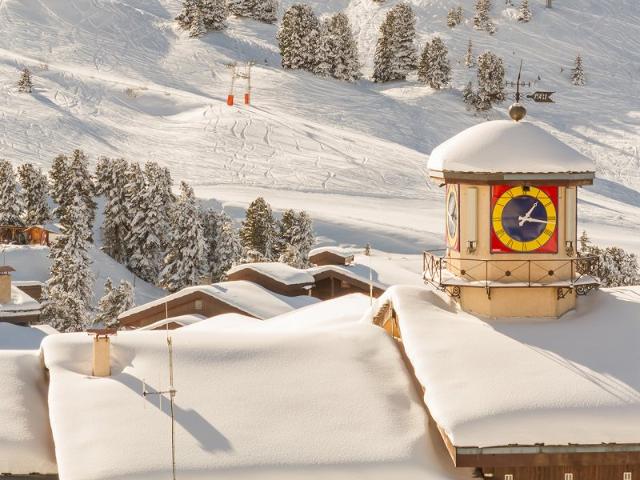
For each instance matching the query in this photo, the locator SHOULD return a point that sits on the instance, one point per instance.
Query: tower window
(198, 305)
(627, 476)
(508, 476)
(568, 476)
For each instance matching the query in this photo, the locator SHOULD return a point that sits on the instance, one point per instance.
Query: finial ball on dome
(517, 112)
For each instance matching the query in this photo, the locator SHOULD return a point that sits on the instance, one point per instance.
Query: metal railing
(442, 271)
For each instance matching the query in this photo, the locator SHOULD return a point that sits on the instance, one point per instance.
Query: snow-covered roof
(280, 272)
(507, 147)
(181, 320)
(21, 303)
(250, 404)
(226, 321)
(341, 252)
(26, 445)
(245, 296)
(574, 380)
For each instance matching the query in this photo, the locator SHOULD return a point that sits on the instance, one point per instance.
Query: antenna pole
(172, 394)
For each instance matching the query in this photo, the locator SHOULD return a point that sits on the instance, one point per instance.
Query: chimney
(101, 365)
(5, 284)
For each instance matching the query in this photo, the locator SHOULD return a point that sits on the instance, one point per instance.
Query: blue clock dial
(524, 218)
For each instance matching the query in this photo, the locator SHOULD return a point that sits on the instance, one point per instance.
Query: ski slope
(116, 77)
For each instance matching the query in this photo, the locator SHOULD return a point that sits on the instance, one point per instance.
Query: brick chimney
(5, 284)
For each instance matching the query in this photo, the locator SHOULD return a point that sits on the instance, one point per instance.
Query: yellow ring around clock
(536, 243)
(453, 239)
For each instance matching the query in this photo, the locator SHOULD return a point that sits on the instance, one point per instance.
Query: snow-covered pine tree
(70, 286)
(469, 96)
(25, 84)
(577, 74)
(214, 14)
(384, 54)
(481, 19)
(295, 229)
(404, 35)
(224, 247)
(490, 81)
(114, 301)
(524, 12)
(111, 178)
(59, 183)
(136, 207)
(614, 266)
(33, 194)
(241, 8)
(345, 64)
(258, 231)
(197, 27)
(298, 38)
(186, 257)
(162, 202)
(265, 11)
(80, 182)
(454, 17)
(325, 50)
(185, 17)
(292, 256)
(469, 61)
(10, 201)
(434, 68)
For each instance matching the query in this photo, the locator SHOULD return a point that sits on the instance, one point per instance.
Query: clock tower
(511, 192)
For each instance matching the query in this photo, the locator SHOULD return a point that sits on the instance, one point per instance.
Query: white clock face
(453, 216)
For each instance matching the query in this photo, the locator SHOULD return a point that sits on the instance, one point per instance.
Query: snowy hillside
(117, 78)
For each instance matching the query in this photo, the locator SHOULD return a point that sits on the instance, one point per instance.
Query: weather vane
(517, 110)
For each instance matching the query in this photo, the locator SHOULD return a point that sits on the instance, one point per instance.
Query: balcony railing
(447, 273)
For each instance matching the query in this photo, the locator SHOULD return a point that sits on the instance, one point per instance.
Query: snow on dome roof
(503, 146)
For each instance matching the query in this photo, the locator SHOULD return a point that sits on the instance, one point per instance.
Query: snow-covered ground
(117, 78)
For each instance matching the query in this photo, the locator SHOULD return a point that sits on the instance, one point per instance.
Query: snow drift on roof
(253, 404)
(26, 445)
(182, 320)
(569, 381)
(341, 252)
(20, 302)
(280, 272)
(504, 146)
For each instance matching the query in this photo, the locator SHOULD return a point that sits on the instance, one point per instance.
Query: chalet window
(198, 305)
(508, 476)
(626, 476)
(568, 476)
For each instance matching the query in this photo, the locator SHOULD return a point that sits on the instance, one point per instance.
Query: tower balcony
(566, 275)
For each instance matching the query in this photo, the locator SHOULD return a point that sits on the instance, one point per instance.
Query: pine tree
(325, 53)
(454, 17)
(434, 68)
(111, 178)
(524, 13)
(185, 17)
(262, 10)
(469, 61)
(395, 53)
(481, 20)
(80, 182)
(258, 231)
(295, 238)
(136, 207)
(613, 266)
(214, 14)
(162, 202)
(224, 247)
(10, 202)
(70, 285)
(577, 74)
(298, 38)
(114, 301)
(469, 96)
(241, 8)
(345, 64)
(34, 194)
(59, 186)
(197, 27)
(490, 81)
(25, 84)
(186, 257)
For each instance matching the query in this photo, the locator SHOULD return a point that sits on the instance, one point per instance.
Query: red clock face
(524, 219)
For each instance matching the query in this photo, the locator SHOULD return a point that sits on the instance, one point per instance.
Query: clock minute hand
(535, 220)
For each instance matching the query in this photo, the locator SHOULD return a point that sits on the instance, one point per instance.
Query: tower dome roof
(506, 150)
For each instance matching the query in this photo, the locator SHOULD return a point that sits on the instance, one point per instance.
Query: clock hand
(535, 220)
(527, 215)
